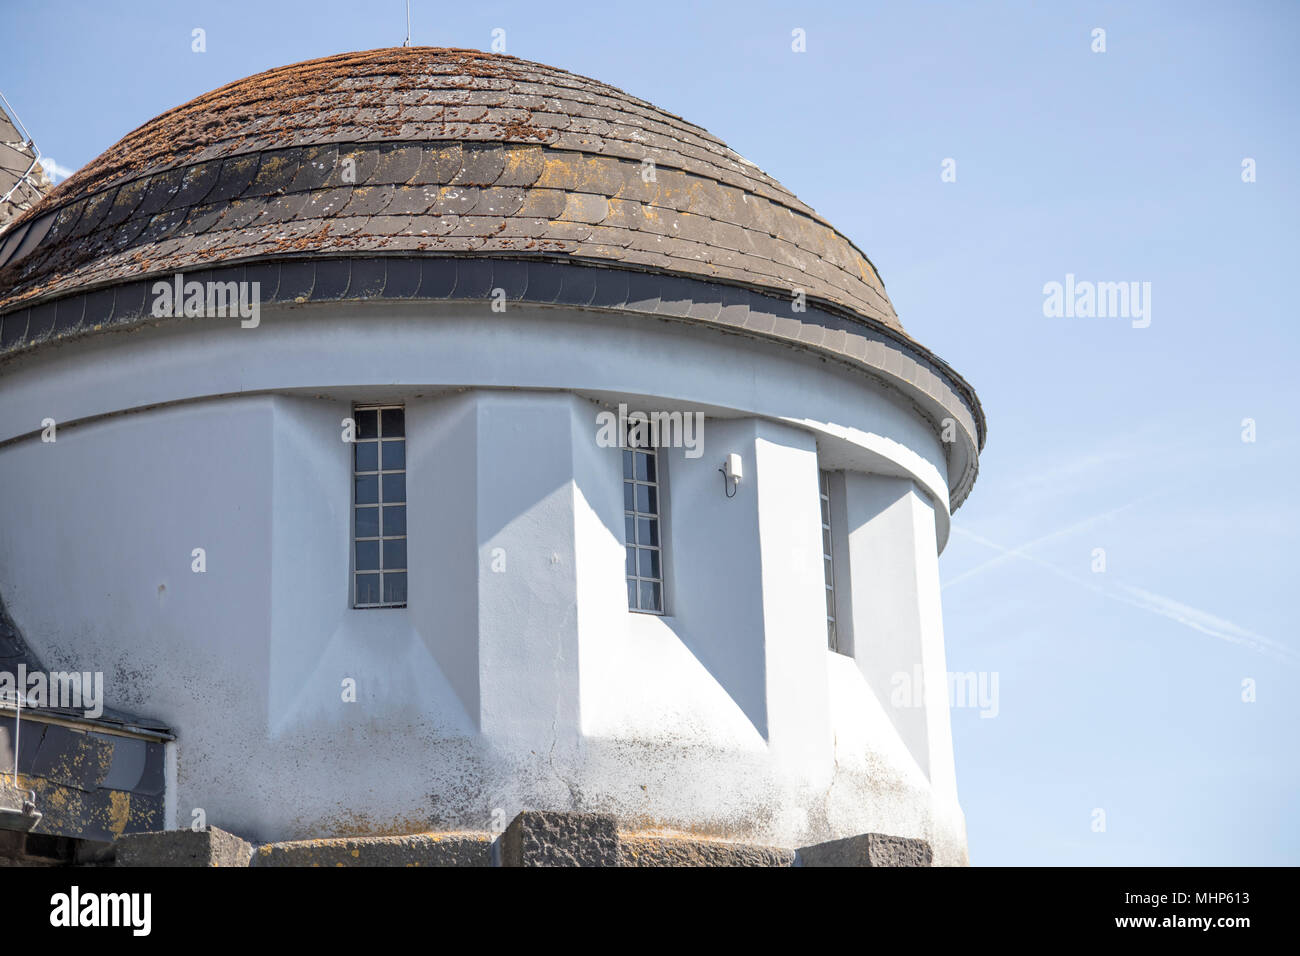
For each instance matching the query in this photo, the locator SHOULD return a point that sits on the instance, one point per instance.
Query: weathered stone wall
(533, 839)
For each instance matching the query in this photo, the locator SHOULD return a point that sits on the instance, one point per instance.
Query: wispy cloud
(54, 171)
(1022, 551)
(1166, 607)
(1205, 622)
(1063, 477)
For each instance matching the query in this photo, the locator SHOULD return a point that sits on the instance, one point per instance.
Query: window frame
(825, 501)
(652, 451)
(378, 506)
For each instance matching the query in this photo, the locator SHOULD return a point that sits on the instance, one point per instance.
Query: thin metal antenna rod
(408, 23)
(28, 142)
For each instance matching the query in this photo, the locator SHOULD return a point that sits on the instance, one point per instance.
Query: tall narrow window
(641, 487)
(379, 506)
(828, 564)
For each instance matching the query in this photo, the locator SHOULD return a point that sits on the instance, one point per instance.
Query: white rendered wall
(412, 348)
(495, 690)
(891, 613)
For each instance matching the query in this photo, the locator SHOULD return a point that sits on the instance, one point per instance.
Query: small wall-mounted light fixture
(732, 471)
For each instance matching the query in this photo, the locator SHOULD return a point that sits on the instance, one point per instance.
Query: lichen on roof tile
(424, 137)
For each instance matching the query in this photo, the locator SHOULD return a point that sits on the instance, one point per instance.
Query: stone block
(210, 847)
(417, 849)
(682, 851)
(867, 849)
(548, 838)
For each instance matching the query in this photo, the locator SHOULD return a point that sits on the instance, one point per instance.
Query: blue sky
(1119, 690)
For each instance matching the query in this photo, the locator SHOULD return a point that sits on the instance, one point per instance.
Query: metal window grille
(827, 562)
(379, 506)
(641, 517)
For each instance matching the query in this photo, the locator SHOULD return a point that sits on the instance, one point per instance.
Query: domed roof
(433, 173)
(452, 151)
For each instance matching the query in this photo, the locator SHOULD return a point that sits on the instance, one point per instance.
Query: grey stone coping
(534, 838)
(418, 849)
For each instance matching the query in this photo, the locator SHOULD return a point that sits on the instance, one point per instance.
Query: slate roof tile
(163, 225)
(584, 207)
(441, 163)
(575, 231)
(125, 202)
(412, 200)
(278, 169)
(65, 223)
(483, 226)
(162, 189)
(237, 174)
(525, 226)
(499, 201)
(340, 226)
(611, 237)
(646, 257)
(480, 166)
(93, 212)
(521, 166)
(369, 200)
(396, 164)
(196, 184)
(326, 202)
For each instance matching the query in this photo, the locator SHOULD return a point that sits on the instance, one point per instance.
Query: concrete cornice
(937, 392)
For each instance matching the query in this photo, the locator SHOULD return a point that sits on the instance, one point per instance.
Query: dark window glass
(649, 564)
(367, 555)
(367, 423)
(393, 423)
(394, 488)
(395, 554)
(395, 588)
(395, 520)
(367, 589)
(366, 456)
(367, 489)
(394, 455)
(367, 523)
